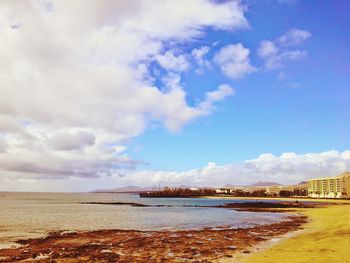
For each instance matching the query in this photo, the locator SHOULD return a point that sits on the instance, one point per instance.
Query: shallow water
(24, 215)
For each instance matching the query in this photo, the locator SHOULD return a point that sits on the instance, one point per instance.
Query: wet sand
(207, 245)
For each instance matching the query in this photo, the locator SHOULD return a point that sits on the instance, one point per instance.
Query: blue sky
(305, 111)
(172, 92)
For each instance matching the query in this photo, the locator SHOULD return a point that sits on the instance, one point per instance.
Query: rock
(169, 255)
(42, 256)
(67, 232)
(232, 247)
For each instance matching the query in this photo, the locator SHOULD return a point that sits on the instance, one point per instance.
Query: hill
(265, 183)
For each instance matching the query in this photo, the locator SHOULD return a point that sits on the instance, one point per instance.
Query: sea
(32, 215)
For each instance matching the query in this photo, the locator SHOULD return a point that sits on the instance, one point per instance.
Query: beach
(312, 230)
(109, 227)
(325, 238)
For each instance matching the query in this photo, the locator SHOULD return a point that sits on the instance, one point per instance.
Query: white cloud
(278, 61)
(199, 53)
(185, 20)
(3, 146)
(288, 168)
(294, 37)
(66, 141)
(267, 48)
(211, 97)
(219, 94)
(199, 56)
(76, 84)
(276, 53)
(234, 61)
(173, 63)
(172, 112)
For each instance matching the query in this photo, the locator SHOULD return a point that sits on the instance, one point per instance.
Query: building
(287, 190)
(224, 190)
(274, 190)
(330, 187)
(265, 191)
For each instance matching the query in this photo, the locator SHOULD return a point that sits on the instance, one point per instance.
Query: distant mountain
(137, 189)
(128, 189)
(261, 183)
(303, 182)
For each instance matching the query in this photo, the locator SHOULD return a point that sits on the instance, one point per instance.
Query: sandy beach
(325, 238)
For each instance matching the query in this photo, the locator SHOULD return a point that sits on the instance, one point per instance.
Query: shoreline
(260, 247)
(142, 246)
(206, 245)
(324, 238)
(313, 231)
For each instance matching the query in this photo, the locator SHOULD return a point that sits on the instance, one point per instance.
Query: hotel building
(330, 187)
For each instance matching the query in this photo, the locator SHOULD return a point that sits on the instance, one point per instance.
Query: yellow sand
(325, 239)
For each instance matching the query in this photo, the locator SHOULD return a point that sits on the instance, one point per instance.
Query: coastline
(206, 245)
(324, 238)
(260, 247)
(312, 231)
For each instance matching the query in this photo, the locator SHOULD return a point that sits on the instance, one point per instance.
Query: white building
(330, 187)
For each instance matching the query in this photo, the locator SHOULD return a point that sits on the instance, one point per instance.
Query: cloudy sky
(103, 93)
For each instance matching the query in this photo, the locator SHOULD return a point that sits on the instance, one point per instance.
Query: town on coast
(328, 187)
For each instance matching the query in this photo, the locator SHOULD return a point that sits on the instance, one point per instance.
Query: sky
(104, 94)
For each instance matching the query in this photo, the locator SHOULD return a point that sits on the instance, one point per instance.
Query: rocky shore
(146, 246)
(204, 245)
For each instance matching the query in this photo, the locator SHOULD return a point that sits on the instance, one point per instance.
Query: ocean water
(27, 215)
